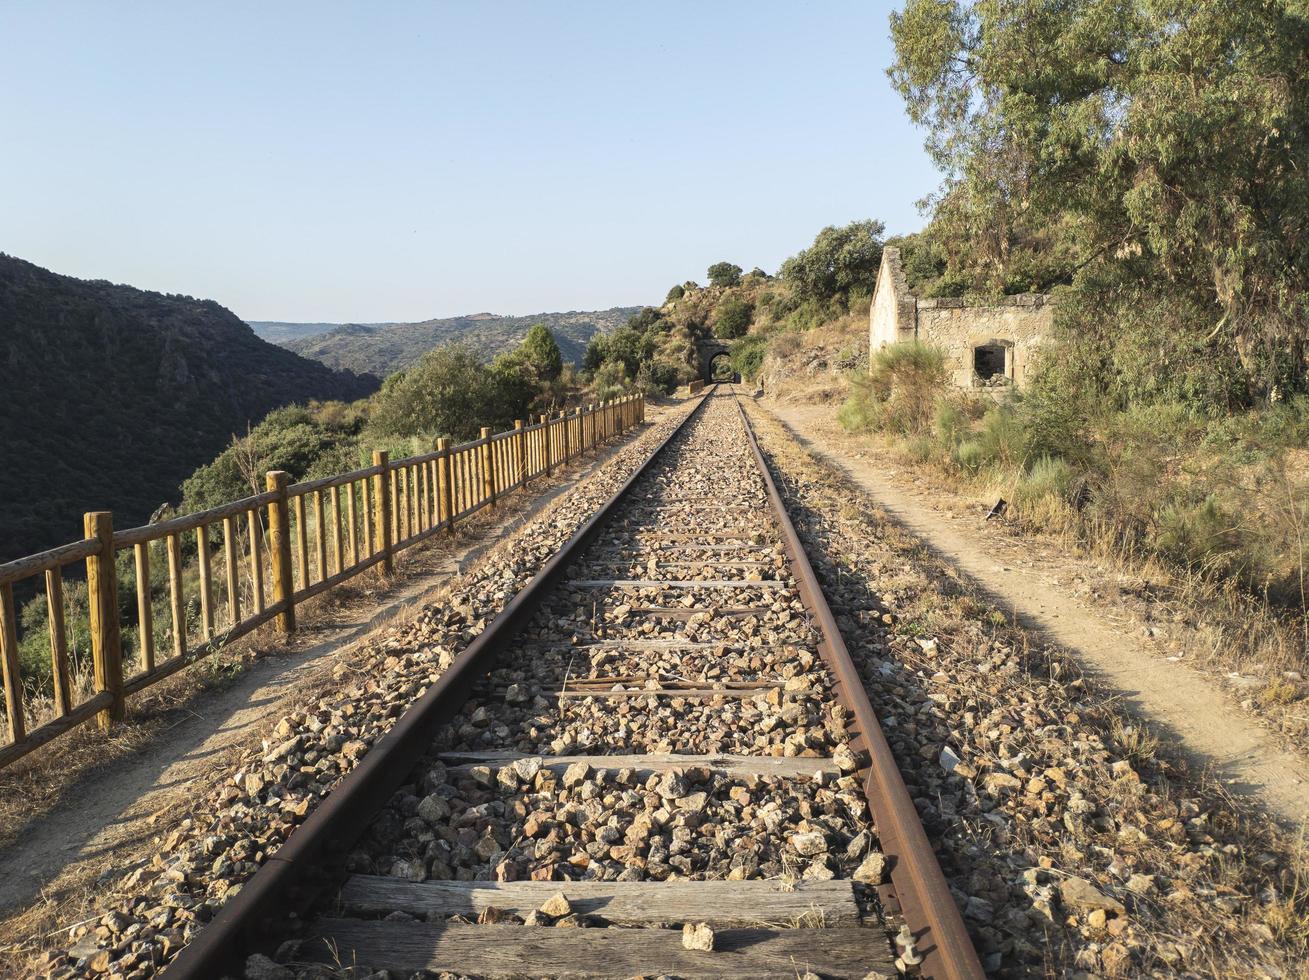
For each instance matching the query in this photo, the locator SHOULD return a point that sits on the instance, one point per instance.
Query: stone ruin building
(987, 346)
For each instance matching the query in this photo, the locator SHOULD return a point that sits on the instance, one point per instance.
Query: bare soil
(1091, 612)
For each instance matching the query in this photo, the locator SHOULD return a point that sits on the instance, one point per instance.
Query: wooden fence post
(520, 452)
(563, 433)
(588, 427)
(545, 444)
(102, 598)
(279, 531)
(446, 486)
(488, 474)
(9, 664)
(641, 414)
(382, 509)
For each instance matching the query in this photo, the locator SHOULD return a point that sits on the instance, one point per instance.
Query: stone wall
(1002, 337)
(893, 315)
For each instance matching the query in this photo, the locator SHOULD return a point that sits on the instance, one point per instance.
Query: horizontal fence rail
(202, 580)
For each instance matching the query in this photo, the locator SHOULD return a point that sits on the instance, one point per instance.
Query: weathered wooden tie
(506, 950)
(665, 583)
(654, 762)
(722, 904)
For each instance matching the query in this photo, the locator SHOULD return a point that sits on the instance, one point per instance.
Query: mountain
(278, 332)
(383, 348)
(113, 395)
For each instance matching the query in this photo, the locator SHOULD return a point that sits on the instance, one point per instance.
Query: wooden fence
(274, 550)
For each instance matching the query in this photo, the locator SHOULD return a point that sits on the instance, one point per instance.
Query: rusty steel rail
(286, 886)
(295, 874)
(918, 885)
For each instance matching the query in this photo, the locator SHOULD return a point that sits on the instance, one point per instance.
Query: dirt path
(1184, 709)
(110, 815)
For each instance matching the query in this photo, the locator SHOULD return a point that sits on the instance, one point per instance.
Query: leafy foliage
(297, 439)
(1132, 150)
(610, 380)
(748, 356)
(900, 392)
(724, 275)
(539, 352)
(841, 261)
(732, 318)
(449, 392)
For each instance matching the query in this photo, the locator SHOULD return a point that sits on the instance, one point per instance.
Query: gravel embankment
(154, 909)
(1073, 843)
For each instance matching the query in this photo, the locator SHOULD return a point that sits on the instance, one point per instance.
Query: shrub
(1049, 480)
(950, 424)
(1054, 422)
(658, 377)
(1001, 437)
(807, 314)
(1199, 535)
(862, 409)
(732, 318)
(907, 378)
(970, 455)
(610, 380)
(294, 439)
(674, 294)
(748, 356)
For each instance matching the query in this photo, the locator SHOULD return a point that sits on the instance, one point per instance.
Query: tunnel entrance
(720, 369)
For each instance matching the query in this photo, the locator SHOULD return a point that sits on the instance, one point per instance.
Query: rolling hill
(383, 348)
(113, 395)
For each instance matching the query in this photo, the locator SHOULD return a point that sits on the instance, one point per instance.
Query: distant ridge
(114, 395)
(384, 348)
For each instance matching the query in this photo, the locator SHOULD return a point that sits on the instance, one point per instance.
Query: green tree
(840, 261)
(445, 392)
(732, 318)
(629, 347)
(594, 354)
(676, 293)
(540, 353)
(1158, 146)
(724, 274)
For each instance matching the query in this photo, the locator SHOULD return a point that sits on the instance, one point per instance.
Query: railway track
(661, 741)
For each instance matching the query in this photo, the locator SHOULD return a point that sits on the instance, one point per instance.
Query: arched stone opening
(720, 368)
(708, 352)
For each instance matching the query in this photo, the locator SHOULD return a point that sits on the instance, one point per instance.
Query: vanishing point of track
(664, 728)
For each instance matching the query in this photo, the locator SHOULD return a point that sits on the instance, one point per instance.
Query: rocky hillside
(383, 348)
(279, 331)
(113, 395)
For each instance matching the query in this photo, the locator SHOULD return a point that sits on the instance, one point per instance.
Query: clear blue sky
(395, 161)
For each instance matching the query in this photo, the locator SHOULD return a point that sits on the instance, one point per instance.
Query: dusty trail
(1184, 709)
